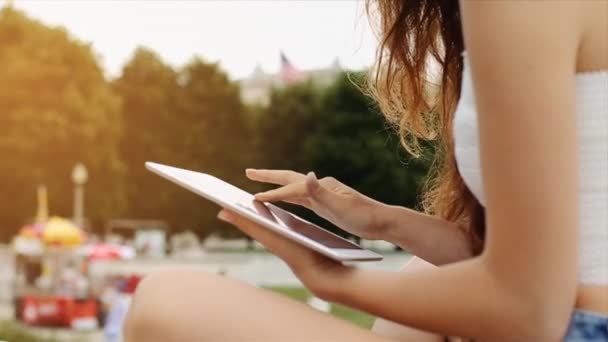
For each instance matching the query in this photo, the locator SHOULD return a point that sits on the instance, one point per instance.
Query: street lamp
(42, 213)
(79, 177)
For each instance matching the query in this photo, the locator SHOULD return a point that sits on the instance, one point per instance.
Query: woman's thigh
(400, 332)
(185, 305)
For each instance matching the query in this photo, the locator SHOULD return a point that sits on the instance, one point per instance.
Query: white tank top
(592, 127)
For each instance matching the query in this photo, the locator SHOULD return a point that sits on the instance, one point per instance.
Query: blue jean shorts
(587, 326)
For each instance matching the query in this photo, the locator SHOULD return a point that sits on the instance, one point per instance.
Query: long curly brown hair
(416, 35)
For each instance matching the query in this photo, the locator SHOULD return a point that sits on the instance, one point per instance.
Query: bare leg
(400, 332)
(196, 306)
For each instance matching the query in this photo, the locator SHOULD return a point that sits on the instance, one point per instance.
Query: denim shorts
(587, 326)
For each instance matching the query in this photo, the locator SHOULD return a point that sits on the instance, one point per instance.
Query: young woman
(522, 247)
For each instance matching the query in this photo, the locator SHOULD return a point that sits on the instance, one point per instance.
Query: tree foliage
(286, 124)
(192, 118)
(338, 132)
(353, 144)
(148, 89)
(56, 109)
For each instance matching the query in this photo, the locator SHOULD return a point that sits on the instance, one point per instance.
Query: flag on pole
(289, 74)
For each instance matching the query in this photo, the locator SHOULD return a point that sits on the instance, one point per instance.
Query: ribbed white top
(592, 126)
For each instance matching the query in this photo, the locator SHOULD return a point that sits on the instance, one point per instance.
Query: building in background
(256, 89)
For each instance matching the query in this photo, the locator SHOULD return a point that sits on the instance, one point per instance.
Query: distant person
(518, 216)
(118, 309)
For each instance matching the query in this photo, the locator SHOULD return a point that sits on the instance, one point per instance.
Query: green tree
(282, 130)
(286, 124)
(191, 118)
(352, 143)
(56, 109)
(210, 105)
(337, 131)
(217, 137)
(148, 89)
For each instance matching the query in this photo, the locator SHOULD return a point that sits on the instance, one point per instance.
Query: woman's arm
(400, 332)
(523, 57)
(435, 240)
(430, 238)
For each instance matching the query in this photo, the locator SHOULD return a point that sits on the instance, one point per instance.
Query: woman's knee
(162, 305)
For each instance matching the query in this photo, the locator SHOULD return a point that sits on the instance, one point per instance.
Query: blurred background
(90, 90)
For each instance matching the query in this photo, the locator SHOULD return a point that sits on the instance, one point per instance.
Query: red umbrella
(101, 251)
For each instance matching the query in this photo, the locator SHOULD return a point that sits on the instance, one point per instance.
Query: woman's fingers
(287, 192)
(307, 189)
(316, 190)
(279, 177)
(296, 188)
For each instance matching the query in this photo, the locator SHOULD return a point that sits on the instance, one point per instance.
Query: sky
(237, 34)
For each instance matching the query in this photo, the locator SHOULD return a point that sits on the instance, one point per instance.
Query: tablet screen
(289, 221)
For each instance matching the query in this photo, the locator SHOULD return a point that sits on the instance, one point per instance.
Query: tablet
(268, 215)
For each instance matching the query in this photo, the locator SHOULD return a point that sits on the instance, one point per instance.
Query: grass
(343, 312)
(298, 293)
(13, 332)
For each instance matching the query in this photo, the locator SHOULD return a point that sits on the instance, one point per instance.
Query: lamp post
(79, 177)
(42, 213)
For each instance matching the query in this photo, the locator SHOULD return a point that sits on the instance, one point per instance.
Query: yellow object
(62, 232)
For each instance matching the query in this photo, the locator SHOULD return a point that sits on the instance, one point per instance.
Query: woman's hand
(314, 270)
(327, 197)
(416, 232)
